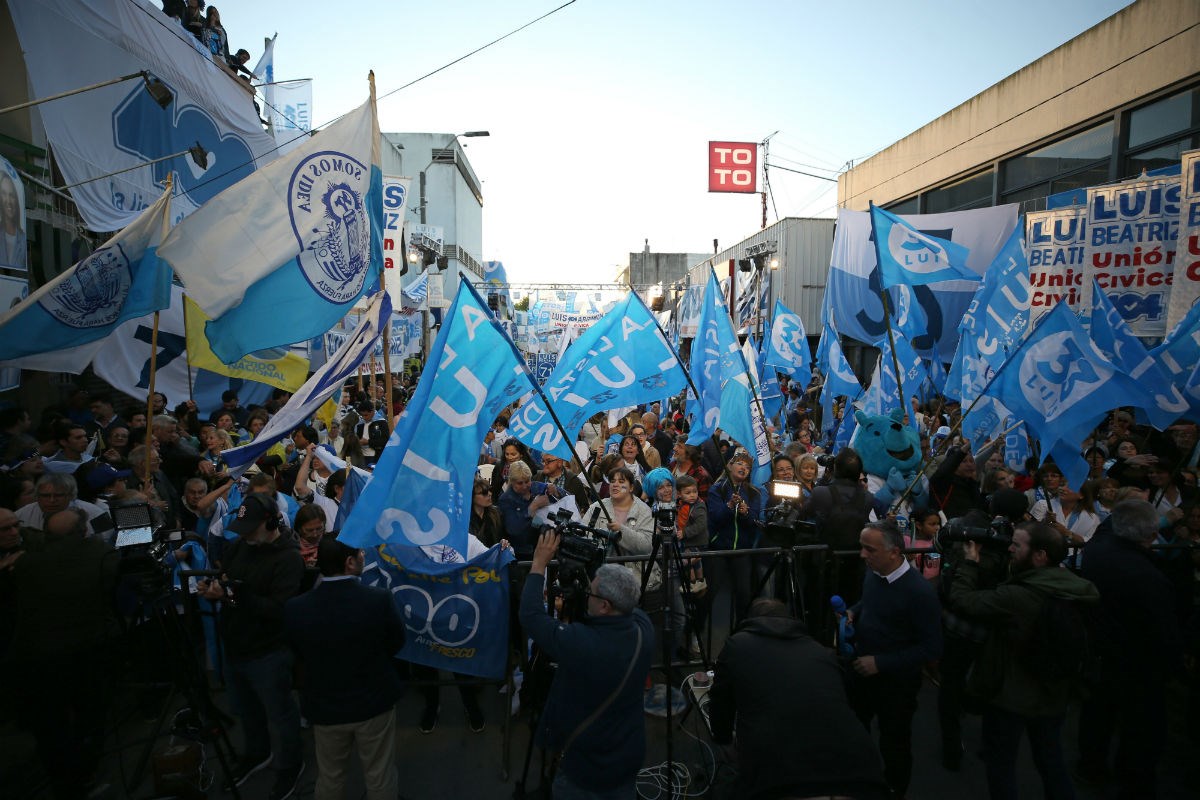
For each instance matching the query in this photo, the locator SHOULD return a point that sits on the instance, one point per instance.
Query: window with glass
(1163, 118)
(1067, 155)
(909, 206)
(972, 192)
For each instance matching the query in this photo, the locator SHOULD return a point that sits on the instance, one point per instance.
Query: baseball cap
(257, 508)
(103, 475)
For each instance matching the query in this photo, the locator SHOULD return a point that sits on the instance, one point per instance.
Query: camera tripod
(666, 553)
(199, 719)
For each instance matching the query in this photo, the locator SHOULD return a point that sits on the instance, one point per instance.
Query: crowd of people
(205, 24)
(968, 615)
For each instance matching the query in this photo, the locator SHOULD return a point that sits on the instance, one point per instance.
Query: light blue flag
(839, 377)
(621, 360)
(1054, 384)
(768, 389)
(1162, 401)
(283, 254)
(912, 367)
(714, 360)
(909, 257)
(998, 316)
(909, 318)
(338, 368)
(122, 280)
(415, 294)
(421, 492)
(1180, 353)
(937, 374)
(742, 414)
(786, 348)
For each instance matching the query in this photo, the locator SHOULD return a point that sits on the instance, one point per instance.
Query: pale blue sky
(600, 115)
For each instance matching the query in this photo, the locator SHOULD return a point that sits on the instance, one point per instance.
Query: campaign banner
(688, 312)
(1131, 233)
(456, 614)
(14, 249)
(1185, 286)
(291, 113)
(404, 339)
(855, 283)
(12, 292)
(1056, 244)
(105, 130)
(395, 202)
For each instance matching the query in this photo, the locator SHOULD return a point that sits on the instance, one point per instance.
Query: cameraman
(962, 632)
(1010, 676)
(593, 716)
(263, 570)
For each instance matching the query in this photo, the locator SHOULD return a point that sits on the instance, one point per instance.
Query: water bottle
(845, 630)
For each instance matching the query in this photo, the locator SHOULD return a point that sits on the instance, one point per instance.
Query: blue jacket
(345, 635)
(730, 531)
(592, 657)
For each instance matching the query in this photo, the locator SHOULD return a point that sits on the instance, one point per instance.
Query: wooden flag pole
(166, 226)
(387, 372)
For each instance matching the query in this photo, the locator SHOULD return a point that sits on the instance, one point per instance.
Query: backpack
(377, 435)
(1063, 642)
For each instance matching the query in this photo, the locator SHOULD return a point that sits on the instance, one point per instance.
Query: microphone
(845, 628)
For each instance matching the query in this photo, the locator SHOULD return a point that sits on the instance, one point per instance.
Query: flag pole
(387, 372)
(187, 354)
(749, 380)
(887, 316)
(166, 226)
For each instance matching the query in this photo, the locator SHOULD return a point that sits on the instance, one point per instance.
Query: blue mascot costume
(891, 456)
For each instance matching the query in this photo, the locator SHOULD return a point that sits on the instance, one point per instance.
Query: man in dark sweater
(593, 713)
(897, 629)
(345, 636)
(263, 570)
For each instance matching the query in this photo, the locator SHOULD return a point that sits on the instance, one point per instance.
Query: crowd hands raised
(966, 614)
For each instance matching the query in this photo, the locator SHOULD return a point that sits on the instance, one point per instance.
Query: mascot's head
(884, 442)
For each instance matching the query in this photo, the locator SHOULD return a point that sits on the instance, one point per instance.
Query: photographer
(593, 716)
(263, 570)
(963, 633)
(1011, 675)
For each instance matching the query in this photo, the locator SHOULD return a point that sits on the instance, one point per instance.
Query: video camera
(664, 515)
(999, 531)
(783, 527)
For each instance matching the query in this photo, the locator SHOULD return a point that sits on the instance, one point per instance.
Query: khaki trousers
(375, 739)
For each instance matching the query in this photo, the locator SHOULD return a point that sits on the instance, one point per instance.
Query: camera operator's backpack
(1063, 642)
(377, 435)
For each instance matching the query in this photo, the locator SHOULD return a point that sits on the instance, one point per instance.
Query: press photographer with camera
(263, 570)
(593, 715)
(1013, 673)
(963, 632)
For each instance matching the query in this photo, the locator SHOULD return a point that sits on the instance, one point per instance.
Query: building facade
(1120, 98)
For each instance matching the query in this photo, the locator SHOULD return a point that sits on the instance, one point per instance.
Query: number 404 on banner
(732, 167)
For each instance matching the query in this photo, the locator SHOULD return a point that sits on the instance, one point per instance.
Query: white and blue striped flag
(302, 236)
(122, 280)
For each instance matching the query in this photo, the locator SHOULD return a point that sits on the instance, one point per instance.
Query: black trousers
(892, 700)
(957, 655)
(1132, 709)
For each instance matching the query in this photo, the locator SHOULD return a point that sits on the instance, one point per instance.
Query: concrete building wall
(1147, 48)
(647, 268)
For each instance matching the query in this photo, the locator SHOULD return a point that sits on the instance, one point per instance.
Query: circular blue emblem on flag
(329, 217)
(94, 292)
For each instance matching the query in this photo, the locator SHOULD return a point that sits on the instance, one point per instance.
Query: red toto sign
(732, 166)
